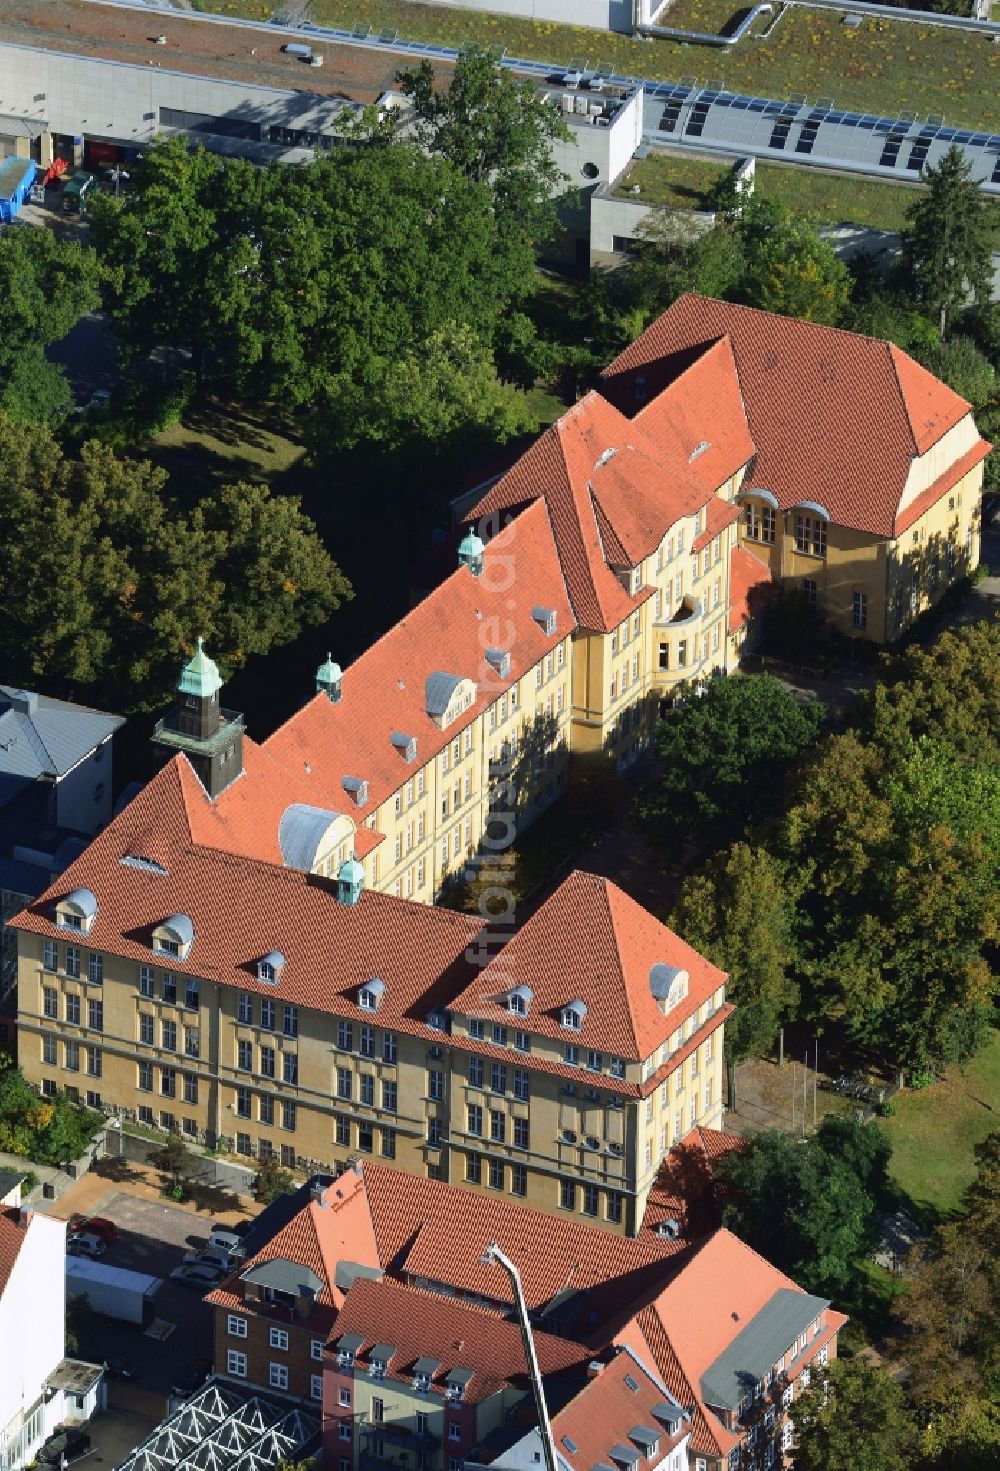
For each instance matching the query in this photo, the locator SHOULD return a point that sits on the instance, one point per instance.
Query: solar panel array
(819, 133)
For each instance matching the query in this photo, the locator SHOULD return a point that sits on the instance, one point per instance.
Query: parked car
(192, 1377)
(94, 1226)
(211, 1257)
(65, 1444)
(222, 1239)
(196, 1274)
(86, 1245)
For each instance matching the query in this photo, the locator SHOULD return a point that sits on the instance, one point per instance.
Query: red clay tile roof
(835, 417)
(607, 1409)
(246, 817)
(12, 1234)
(685, 1188)
(320, 1236)
(437, 1231)
(715, 1290)
(243, 908)
(612, 492)
(699, 419)
(420, 1324)
(750, 586)
(591, 942)
(449, 631)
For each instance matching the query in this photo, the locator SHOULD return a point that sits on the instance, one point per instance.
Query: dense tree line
(868, 896)
(106, 576)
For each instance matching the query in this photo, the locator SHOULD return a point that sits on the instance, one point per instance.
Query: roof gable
(40, 736)
(591, 942)
(835, 416)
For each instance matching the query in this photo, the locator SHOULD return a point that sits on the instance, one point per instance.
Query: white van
(86, 1245)
(226, 1241)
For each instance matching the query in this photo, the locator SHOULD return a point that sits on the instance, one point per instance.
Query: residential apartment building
(864, 489)
(281, 1013)
(39, 1387)
(737, 1341)
(413, 1380)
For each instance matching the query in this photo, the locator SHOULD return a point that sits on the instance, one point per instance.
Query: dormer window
(499, 659)
(436, 1019)
(175, 936)
(378, 1360)
(269, 969)
(371, 993)
(421, 1383)
(406, 745)
(423, 1372)
(572, 1015)
(669, 985)
(356, 788)
(519, 1000)
(546, 620)
(77, 911)
(456, 1383)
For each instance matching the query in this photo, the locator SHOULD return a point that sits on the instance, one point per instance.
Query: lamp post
(496, 1258)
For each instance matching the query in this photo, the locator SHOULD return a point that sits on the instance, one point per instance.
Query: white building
(39, 1387)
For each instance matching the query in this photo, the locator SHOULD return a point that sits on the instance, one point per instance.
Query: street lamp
(494, 1257)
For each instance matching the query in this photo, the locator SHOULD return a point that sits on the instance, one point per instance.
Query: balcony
(396, 1435)
(688, 611)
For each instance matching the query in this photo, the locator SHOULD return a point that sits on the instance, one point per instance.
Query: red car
(94, 1226)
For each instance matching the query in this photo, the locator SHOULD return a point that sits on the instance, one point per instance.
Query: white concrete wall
(83, 95)
(83, 796)
(32, 1327)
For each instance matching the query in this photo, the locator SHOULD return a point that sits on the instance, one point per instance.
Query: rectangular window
(73, 1009)
(73, 962)
(859, 610)
(50, 1002)
(290, 1068)
(389, 1095)
(278, 1338)
(50, 955)
(522, 1133)
(95, 968)
(522, 1086)
(168, 1082)
(244, 1055)
(388, 1144)
(367, 1090)
(192, 1042)
(366, 1138)
(145, 1077)
(94, 1062)
(267, 1015)
(614, 1206)
(389, 1047)
(168, 988)
(810, 589)
(498, 1126)
(277, 1376)
(345, 1037)
(590, 1200)
(236, 1326)
(146, 980)
(567, 1195)
(236, 1363)
(342, 1131)
(758, 522)
(498, 1078)
(474, 1168)
(345, 1083)
(288, 1115)
(810, 535)
(168, 1036)
(191, 994)
(475, 1072)
(291, 1021)
(265, 1108)
(496, 1174)
(267, 1062)
(244, 1007)
(190, 1088)
(435, 1084)
(49, 1050)
(518, 1180)
(475, 1119)
(243, 1103)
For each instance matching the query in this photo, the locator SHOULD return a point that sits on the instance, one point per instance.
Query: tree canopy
(856, 1416)
(107, 576)
(949, 238)
(725, 748)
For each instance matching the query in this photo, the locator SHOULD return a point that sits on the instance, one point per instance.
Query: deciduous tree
(46, 286)
(854, 1417)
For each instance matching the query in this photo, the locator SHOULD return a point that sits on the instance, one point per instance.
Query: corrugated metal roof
(758, 1347)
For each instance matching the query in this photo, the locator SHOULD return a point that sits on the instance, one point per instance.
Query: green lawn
(884, 66)
(217, 443)
(933, 1132)
(834, 199)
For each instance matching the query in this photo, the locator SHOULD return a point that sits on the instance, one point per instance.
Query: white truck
(113, 1291)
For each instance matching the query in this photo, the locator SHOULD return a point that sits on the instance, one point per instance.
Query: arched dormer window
(519, 1000)
(669, 985)
(371, 993)
(572, 1015)
(269, 969)
(175, 936)
(77, 911)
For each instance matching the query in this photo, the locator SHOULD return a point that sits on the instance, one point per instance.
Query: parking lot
(153, 1238)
